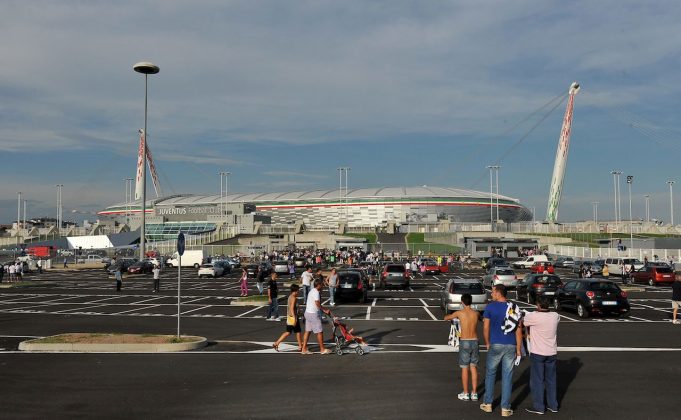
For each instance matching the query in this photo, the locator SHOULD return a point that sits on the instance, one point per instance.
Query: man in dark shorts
(292, 319)
(272, 295)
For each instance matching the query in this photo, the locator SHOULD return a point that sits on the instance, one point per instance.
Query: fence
(595, 253)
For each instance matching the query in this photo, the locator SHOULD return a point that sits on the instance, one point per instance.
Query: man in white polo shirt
(313, 320)
(306, 279)
(543, 331)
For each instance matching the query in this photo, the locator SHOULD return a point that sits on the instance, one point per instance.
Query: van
(190, 258)
(528, 262)
(615, 265)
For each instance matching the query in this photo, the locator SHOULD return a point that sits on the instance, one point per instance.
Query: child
(292, 320)
(469, 353)
(244, 282)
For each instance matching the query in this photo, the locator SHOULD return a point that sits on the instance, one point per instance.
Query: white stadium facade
(320, 209)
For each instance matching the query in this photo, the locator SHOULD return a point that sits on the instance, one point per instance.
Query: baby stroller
(343, 337)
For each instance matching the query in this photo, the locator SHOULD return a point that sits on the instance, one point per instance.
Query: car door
(522, 287)
(567, 296)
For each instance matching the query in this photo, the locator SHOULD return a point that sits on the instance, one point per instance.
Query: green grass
(254, 298)
(416, 242)
(370, 236)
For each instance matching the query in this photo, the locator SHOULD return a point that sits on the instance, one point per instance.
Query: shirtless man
(469, 353)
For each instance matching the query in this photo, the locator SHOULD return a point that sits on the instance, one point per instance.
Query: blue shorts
(469, 353)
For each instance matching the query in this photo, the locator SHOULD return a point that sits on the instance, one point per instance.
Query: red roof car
(653, 275)
(541, 267)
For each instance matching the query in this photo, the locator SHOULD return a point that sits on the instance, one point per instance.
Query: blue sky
(280, 93)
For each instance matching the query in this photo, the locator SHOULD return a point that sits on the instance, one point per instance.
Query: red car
(653, 275)
(541, 267)
(431, 267)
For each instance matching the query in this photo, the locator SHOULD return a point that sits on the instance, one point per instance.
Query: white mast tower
(561, 157)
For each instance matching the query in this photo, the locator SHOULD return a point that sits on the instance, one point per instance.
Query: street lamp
(491, 196)
(630, 180)
(146, 68)
(616, 184)
(18, 212)
(223, 191)
(647, 196)
(595, 211)
(671, 202)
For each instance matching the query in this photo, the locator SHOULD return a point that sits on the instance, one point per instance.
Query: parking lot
(598, 356)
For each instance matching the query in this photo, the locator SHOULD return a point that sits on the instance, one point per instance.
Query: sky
(281, 93)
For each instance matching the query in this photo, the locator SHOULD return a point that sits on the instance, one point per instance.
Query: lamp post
(671, 201)
(595, 210)
(630, 180)
(647, 196)
(223, 191)
(616, 184)
(60, 215)
(128, 199)
(145, 68)
(491, 196)
(18, 212)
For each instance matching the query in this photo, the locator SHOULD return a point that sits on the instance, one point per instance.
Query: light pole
(59, 208)
(497, 176)
(671, 201)
(491, 196)
(128, 199)
(347, 209)
(145, 68)
(223, 191)
(647, 196)
(595, 211)
(616, 183)
(18, 212)
(630, 180)
(343, 192)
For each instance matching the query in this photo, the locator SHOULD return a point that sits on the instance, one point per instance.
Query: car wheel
(556, 304)
(651, 282)
(196, 266)
(581, 311)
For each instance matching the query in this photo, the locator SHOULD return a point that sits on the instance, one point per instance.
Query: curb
(33, 346)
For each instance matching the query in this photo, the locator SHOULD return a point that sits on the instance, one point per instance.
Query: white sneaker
(676, 321)
(275, 319)
(464, 397)
(474, 396)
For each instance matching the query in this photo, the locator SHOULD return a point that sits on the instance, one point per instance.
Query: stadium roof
(358, 193)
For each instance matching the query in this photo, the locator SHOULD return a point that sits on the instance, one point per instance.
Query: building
(318, 210)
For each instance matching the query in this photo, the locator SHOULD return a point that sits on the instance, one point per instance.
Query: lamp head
(146, 67)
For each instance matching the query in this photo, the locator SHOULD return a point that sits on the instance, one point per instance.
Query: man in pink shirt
(542, 330)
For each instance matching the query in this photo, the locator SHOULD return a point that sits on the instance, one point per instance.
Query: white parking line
(368, 317)
(248, 312)
(197, 299)
(148, 300)
(430, 313)
(79, 309)
(197, 309)
(640, 319)
(135, 309)
(374, 302)
(652, 307)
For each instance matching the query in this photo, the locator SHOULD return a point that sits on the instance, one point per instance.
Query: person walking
(273, 303)
(606, 271)
(291, 270)
(2, 272)
(306, 280)
(503, 346)
(65, 266)
(244, 282)
(260, 279)
(12, 270)
(676, 299)
(332, 283)
(157, 280)
(313, 322)
(542, 328)
(119, 276)
(469, 352)
(292, 319)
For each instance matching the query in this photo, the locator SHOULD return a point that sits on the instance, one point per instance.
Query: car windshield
(472, 288)
(631, 261)
(604, 286)
(505, 272)
(394, 269)
(547, 280)
(348, 278)
(207, 266)
(429, 262)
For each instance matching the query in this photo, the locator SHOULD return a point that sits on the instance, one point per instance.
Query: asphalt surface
(607, 367)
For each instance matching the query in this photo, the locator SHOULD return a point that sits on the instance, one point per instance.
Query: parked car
(352, 284)
(124, 263)
(141, 267)
(653, 275)
(430, 266)
(564, 262)
(592, 296)
(233, 262)
(615, 265)
(300, 263)
(541, 267)
(226, 267)
(211, 270)
(491, 262)
(252, 271)
(280, 267)
(395, 275)
(528, 262)
(266, 266)
(93, 258)
(450, 296)
(596, 269)
(500, 275)
(369, 267)
(537, 285)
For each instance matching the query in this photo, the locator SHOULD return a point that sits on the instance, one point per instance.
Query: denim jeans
(332, 292)
(273, 309)
(504, 355)
(543, 374)
(306, 290)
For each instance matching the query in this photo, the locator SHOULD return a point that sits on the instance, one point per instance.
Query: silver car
(450, 296)
(500, 275)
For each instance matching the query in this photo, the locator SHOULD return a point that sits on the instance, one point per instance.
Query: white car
(211, 270)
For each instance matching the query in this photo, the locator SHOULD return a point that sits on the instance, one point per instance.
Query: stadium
(322, 209)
